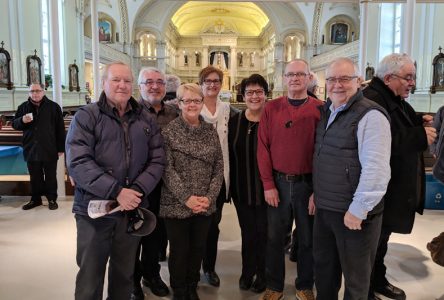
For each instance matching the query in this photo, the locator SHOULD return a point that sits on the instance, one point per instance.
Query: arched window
(148, 45)
(292, 48)
(390, 29)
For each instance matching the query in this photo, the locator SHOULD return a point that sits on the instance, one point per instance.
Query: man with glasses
(41, 121)
(114, 152)
(350, 175)
(285, 154)
(395, 78)
(152, 92)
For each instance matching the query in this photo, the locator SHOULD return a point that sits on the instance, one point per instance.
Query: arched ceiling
(242, 18)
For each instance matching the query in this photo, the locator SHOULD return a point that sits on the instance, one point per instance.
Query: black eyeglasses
(210, 81)
(341, 80)
(297, 75)
(259, 92)
(152, 82)
(408, 78)
(189, 101)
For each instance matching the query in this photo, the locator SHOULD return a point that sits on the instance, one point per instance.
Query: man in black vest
(395, 77)
(350, 175)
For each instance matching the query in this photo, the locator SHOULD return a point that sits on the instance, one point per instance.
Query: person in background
(114, 151)
(411, 133)
(41, 121)
(153, 247)
(192, 181)
(285, 153)
(437, 123)
(312, 88)
(217, 113)
(172, 84)
(246, 187)
(351, 172)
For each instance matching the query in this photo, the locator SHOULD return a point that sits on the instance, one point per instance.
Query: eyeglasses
(408, 78)
(35, 91)
(189, 101)
(297, 75)
(341, 80)
(152, 82)
(214, 81)
(250, 93)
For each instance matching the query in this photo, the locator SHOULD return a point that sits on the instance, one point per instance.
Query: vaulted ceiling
(241, 18)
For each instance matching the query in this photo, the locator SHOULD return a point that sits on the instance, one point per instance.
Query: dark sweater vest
(336, 166)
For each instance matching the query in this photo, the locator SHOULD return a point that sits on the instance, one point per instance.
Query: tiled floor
(37, 256)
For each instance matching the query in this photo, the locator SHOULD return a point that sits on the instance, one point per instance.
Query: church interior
(64, 44)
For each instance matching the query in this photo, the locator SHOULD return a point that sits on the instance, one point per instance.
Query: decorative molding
(219, 40)
(350, 50)
(124, 20)
(107, 54)
(316, 22)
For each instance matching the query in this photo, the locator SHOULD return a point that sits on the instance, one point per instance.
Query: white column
(14, 36)
(204, 57)
(408, 28)
(161, 56)
(278, 68)
(363, 36)
(233, 68)
(81, 49)
(57, 82)
(95, 49)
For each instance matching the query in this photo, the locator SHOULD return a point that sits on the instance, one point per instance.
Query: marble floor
(37, 256)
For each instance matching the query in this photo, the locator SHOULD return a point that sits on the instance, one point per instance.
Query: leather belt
(293, 177)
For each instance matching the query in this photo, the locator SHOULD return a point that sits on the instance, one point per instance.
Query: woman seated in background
(193, 178)
(246, 187)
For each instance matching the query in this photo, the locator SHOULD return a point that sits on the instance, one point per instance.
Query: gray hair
(313, 83)
(298, 60)
(343, 60)
(392, 63)
(106, 69)
(172, 83)
(149, 70)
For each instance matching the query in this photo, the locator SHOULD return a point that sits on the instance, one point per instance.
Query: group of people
(348, 171)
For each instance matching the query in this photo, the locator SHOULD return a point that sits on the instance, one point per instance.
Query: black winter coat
(406, 189)
(44, 137)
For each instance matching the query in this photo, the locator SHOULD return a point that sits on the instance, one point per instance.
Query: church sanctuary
(59, 48)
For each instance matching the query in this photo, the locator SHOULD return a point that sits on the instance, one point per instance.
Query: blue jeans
(293, 196)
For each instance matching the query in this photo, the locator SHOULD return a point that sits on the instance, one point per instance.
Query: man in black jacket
(41, 121)
(390, 87)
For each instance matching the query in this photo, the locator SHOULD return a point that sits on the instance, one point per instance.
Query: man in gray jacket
(114, 152)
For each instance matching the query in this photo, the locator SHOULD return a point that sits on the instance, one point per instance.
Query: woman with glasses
(192, 181)
(246, 187)
(216, 113)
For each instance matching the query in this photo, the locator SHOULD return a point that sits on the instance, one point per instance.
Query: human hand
(352, 222)
(129, 199)
(427, 120)
(431, 134)
(311, 205)
(272, 197)
(27, 118)
(197, 204)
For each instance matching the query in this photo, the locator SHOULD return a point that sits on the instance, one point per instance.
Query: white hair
(343, 60)
(392, 64)
(149, 70)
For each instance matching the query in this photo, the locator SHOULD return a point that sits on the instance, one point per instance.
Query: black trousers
(209, 259)
(43, 179)
(338, 250)
(253, 225)
(187, 239)
(379, 268)
(99, 241)
(147, 256)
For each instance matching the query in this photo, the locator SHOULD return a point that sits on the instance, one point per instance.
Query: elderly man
(351, 171)
(152, 92)
(114, 152)
(395, 77)
(285, 154)
(41, 121)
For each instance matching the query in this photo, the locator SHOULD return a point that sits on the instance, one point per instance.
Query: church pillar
(363, 36)
(57, 82)
(95, 49)
(233, 69)
(408, 28)
(161, 56)
(81, 49)
(278, 69)
(204, 57)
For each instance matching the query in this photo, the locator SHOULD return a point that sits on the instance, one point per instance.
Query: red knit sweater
(286, 137)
